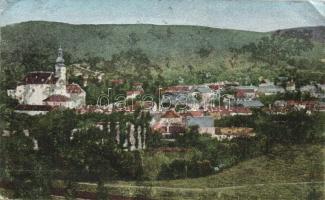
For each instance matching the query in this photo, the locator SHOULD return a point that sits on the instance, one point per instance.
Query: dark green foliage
(181, 168)
(277, 48)
(296, 127)
(31, 176)
(70, 148)
(102, 191)
(156, 55)
(32, 46)
(314, 194)
(236, 121)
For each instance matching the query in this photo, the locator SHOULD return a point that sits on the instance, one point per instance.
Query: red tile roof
(176, 89)
(215, 86)
(74, 88)
(173, 128)
(57, 98)
(170, 114)
(131, 92)
(118, 81)
(39, 78)
(306, 103)
(193, 114)
(233, 110)
(137, 84)
(242, 92)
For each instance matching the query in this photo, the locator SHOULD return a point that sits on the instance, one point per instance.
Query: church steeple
(60, 69)
(59, 59)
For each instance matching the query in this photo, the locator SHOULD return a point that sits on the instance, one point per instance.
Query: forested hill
(158, 42)
(174, 49)
(316, 33)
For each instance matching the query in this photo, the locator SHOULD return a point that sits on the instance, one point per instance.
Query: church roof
(57, 98)
(74, 88)
(39, 78)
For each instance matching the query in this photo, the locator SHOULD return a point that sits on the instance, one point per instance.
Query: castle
(40, 91)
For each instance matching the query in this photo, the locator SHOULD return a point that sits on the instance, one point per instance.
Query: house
(228, 133)
(186, 101)
(169, 123)
(177, 89)
(192, 114)
(171, 116)
(218, 113)
(299, 105)
(291, 86)
(76, 94)
(321, 107)
(216, 86)
(203, 89)
(168, 129)
(245, 111)
(83, 71)
(321, 87)
(132, 94)
(231, 83)
(314, 90)
(269, 89)
(206, 95)
(250, 103)
(58, 100)
(283, 107)
(205, 124)
(146, 105)
(280, 103)
(39, 88)
(137, 86)
(311, 89)
(245, 92)
(117, 82)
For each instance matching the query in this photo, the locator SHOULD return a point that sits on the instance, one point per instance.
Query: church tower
(60, 69)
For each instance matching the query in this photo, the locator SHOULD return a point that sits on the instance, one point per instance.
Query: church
(40, 92)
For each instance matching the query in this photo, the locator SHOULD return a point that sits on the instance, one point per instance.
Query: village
(177, 108)
(162, 100)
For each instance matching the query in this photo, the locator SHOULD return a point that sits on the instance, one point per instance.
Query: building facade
(49, 88)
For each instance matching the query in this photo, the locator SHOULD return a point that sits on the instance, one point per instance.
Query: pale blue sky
(256, 15)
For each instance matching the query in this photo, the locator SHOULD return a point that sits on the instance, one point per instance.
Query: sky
(253, 15)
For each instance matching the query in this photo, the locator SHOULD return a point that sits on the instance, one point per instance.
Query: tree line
(66, 146)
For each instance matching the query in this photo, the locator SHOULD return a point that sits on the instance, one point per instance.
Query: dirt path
(204, 189)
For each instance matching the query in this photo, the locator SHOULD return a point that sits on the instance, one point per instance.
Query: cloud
(6, 4)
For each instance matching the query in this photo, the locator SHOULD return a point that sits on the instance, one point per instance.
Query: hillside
(176, 50)
(158, 42)
(288, 173)
(317, 33)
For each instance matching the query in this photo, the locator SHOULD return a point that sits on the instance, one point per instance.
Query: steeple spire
(59, 59)
(60, 69)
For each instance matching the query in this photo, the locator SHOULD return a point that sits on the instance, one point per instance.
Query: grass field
(295, 172)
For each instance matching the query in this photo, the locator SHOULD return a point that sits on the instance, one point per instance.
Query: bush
(181, 168)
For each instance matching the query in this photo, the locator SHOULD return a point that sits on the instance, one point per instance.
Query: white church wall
(34, 94)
